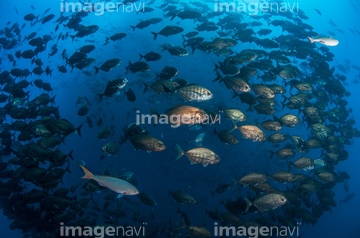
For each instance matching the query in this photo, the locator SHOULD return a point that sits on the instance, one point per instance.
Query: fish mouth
(161, 148)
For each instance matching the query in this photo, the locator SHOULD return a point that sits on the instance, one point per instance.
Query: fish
(304, 163)
(113, 87)
(318, 11)
(199, 155)
(283, 177)
(162, 86)
(130, 95)
(186, 115)
(198, 138)
(234, 114)
(108, 65)
(252, 179)
(193, 92)
(289, 120)
(198, 231)
(221, 188)
(86, 49)
(146, 142)
(111, 148)
(117, 36)
(138, 66)
(146, 199)
(184, 198)
(83, 110)
(237, 84)
(168, 31)
(151, 56)
(119, 186)
(253, 133)
(267, 202)
(85, 31)
(175, 50)
(226, 137)
(168, 72)
(187, 14)
(142, 24)
(105, 133)
(348, 198)
(328, 41)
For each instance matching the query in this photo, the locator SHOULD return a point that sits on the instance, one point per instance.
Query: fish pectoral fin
(120, 195)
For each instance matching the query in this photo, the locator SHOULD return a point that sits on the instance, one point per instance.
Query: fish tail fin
(141, 56)
(235, 182)
(68, 168)
(146, 87)
(100, 97)
(311, 39)
(248, 204)
(234, 126)
(96, 69)
(88, 174)
(215, 132)
(52, 101)
(72, 37)
(157, 116)
(276, 118)
(155, 35)
(133, 27)
(272, 154)
(180, 152)
(78, 130)
(218, 77)
(235, 95)
(289, 165)
(128, 67)
(70, 155)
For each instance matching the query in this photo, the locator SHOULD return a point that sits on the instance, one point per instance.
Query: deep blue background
(156, 173)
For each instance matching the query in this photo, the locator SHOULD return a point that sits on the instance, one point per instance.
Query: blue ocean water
(156, 173)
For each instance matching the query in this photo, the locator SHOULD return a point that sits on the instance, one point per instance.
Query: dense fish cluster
(272, 99)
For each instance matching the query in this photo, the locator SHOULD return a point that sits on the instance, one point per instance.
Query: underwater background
(157, 173)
